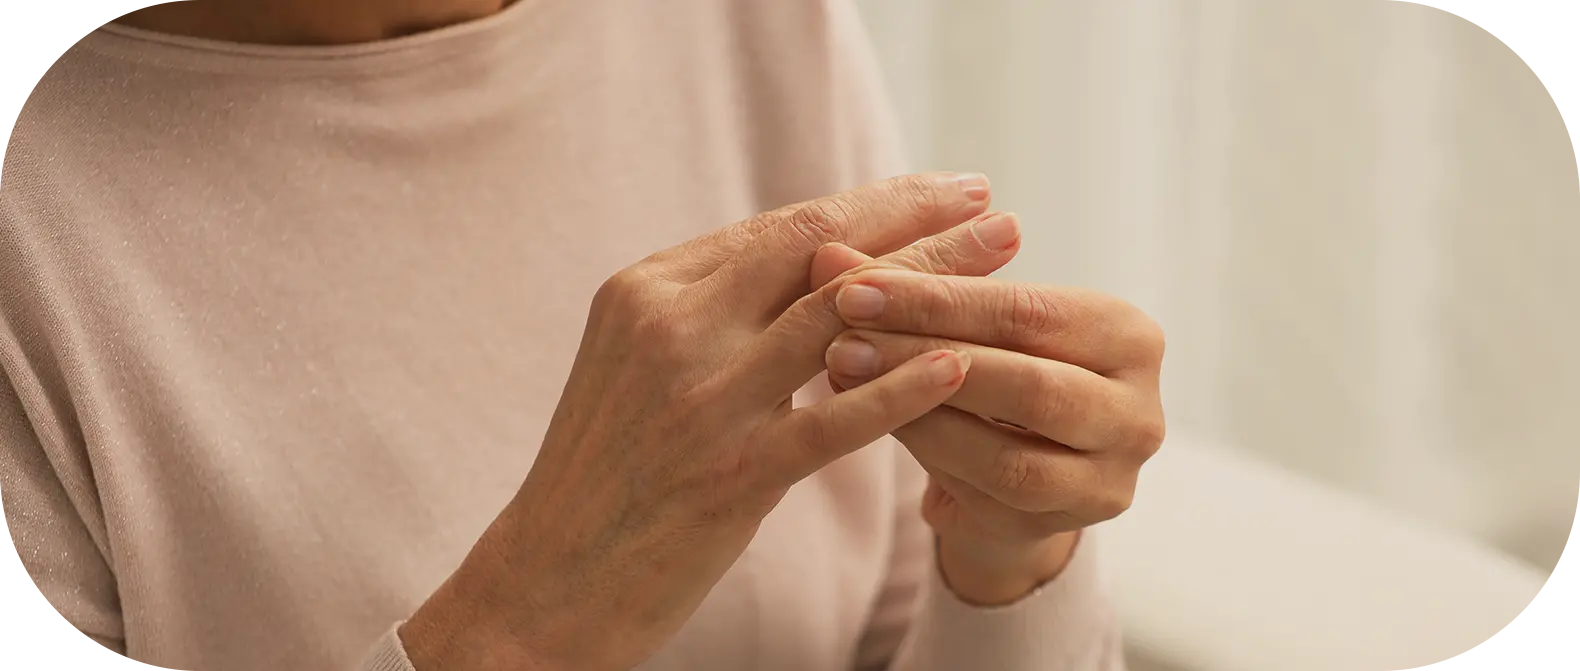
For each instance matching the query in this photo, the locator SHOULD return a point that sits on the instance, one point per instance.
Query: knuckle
(1112, 493)
(1150, 341)
(623, 292)
(1111, 503)
(928, 303)
(636, 306)
(1141, 338)
(1138, 339)
(730, 238)
(820, 222)
(1045, 397)
(1148, 435)
(919, 194)
(936, 254)
(912, 257)
(1033, 313)
(1023, 481)
(1011, 472)
(759, 222)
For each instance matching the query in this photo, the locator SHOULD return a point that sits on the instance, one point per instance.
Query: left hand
(1074, 372)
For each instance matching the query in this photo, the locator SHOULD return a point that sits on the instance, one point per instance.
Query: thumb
(818, 434)
(832, 260)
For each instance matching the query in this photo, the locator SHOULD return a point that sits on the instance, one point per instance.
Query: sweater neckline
(222, 56)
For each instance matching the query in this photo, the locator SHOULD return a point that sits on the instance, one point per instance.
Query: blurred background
(1356, 220)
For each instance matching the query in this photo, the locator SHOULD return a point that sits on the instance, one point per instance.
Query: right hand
(675, 434)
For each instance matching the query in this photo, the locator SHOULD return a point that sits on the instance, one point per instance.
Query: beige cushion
(1227, 564)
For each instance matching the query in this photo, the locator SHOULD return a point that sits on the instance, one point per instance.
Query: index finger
(1087, 328)
(790, 350)
(770, 269)
(992, 241)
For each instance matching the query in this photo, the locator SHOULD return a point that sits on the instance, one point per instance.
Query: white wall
(1358, 221)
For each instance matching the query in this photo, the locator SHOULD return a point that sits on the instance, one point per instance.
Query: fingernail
(948, 368)
(998, 232)
(854, 358)
(860, 301)
(973, 184)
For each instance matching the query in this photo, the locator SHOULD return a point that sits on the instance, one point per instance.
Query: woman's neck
(307, 22)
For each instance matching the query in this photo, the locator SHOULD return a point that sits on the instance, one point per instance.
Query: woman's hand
(675, 434)
(1048, 432)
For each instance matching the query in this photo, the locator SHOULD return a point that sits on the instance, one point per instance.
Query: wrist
(465, 627)
(477, 619)
(988, 576)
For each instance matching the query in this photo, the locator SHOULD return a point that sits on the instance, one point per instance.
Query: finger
(791, 350)
(999, 519)
(975, 248)
(1062, 402)
(769, 271)
(833, 260)
(1017, 469)
(697, 258)
(816, 435)
(1086, 328)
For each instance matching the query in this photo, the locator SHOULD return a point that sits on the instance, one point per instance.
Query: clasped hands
(1051, 424)
(1032, 408)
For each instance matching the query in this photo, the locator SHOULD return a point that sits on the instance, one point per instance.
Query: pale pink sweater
(281, 328)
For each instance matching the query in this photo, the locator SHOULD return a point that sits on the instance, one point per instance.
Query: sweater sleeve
(387, 654)
(57, 524)
(56, 521)
(918, 624)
